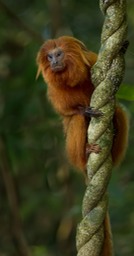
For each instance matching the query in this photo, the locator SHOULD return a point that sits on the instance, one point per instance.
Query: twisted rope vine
(107, 75)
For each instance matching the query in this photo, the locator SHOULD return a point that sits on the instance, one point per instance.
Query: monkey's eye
(49, 56)
(59, 53)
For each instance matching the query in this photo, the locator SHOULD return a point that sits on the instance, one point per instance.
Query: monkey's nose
(54, 60)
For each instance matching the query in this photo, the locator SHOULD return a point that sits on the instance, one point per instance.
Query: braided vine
(107, 75)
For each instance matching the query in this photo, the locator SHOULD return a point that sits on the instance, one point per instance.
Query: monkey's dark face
(56, 59)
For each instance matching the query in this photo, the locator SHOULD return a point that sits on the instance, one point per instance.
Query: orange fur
(76, 148)
(120, 142)
(107, 249)
(70, 88)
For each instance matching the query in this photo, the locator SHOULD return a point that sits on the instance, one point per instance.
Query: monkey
(65, 64)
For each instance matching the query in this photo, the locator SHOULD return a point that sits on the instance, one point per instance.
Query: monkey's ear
(38, 72)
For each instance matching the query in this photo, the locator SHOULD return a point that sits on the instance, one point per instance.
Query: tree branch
(107, 75)
(18, 235)
(20, 23)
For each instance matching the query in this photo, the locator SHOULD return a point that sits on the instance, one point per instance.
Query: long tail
(121, 127)
(108, 244)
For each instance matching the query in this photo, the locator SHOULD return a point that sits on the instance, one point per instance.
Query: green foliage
(48, 193)
(126, 92)
(39, 251)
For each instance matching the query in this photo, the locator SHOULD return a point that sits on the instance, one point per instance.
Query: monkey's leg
(76, 138)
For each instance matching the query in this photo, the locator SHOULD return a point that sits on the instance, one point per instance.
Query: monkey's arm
(68, 103)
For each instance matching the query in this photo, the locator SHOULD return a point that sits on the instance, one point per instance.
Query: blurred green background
(40, 194)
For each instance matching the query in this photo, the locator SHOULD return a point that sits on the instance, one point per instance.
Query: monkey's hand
(89, 111)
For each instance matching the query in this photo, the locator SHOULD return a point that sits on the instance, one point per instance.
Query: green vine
(107, 75)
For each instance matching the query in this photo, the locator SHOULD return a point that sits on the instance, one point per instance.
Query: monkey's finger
(91, 112)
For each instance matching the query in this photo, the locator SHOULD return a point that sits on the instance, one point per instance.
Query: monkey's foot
(89, 111)
(95, 148)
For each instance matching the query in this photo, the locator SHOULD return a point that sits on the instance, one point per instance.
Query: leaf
(126, 92)
(39, 251)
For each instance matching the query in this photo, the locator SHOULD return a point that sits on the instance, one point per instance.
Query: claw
(89, 111)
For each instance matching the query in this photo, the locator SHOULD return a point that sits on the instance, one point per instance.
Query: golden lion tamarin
(65, 65)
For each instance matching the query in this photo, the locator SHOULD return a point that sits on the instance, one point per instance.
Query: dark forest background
(40, 194)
